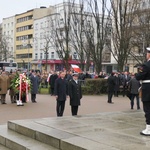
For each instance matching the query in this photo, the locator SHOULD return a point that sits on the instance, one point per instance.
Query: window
(46, 55)
(52, 55)
(36, 55)
(41, 55)
(36, 26)
(41, 25)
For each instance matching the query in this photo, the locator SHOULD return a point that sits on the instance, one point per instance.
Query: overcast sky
(11, 7)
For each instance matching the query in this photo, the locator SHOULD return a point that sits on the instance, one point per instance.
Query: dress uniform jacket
(75, 93)
(144, 75)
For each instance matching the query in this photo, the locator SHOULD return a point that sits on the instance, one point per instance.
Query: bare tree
(97, 29)
(60, 33)
(122, 29)
(77, 38)
(46, 39)
(141, 33)
(4, 44)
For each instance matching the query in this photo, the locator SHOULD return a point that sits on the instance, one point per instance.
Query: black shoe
(4, 103)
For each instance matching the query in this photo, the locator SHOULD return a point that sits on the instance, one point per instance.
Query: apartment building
(24, 35)
(8, 36)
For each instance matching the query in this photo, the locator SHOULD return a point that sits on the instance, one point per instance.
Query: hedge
(90, 87)
(94, 86)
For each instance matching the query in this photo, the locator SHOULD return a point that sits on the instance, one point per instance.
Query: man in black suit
(61, 93)
(52, 79)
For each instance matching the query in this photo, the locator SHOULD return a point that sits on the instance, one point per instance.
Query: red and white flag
(76, 68)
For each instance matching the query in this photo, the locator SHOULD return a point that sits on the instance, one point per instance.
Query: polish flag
(76, 68)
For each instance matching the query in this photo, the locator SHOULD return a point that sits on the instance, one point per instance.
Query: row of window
(8, 25)
(24, 37)
(42, 56)
(24, 19)
(23, 56)
(19, 47)
(24, 28)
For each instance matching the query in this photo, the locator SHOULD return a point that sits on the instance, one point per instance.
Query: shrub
(95, 86)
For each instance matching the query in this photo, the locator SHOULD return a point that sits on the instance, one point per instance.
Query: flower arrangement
(21, 84)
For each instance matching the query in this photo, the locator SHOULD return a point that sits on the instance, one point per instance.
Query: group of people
(6, 79)
(133, 83)
(66, 86)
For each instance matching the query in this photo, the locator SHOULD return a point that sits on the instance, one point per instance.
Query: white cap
(148, 49)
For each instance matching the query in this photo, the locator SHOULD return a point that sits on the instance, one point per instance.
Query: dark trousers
(60, 108)
(74, 110)
(125, 87)
(33, 97)
(137, 101)
(3, 98)
(52, 91)
(116, 93)
(110, 94)
(23, 98)
(146, 108)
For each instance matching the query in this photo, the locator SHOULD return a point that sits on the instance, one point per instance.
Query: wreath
(21, 84)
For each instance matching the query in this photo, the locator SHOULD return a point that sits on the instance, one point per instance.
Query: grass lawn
(44, 90)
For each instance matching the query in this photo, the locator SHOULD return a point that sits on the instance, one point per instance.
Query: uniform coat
(75, 93)
(61, 89)
(144, 74)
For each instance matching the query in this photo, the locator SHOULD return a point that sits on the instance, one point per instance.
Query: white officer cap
(148, 49)
(75, 74)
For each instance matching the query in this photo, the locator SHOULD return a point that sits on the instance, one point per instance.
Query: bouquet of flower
(21, 85)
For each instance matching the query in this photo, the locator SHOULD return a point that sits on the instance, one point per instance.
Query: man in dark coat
(35, 83)
(144, 75)
(125, 79)
(61, 93)
(134, 85)
(75, 94)
(111, 85)
(52, 79)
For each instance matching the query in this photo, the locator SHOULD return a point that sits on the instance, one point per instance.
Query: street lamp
(28, 44)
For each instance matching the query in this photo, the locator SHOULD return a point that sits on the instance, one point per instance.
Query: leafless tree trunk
(122, 29)
(61, 34)
(97, 29)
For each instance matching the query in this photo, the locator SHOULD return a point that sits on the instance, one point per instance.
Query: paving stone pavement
(98, 126)
(46, 107)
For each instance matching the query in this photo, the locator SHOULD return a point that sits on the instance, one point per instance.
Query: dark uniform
(144, 75)
(75, 94)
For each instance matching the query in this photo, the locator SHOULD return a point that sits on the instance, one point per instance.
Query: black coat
(75, 93)
(144, 74)
(52, 79)
(117, 83)
(35, 84)
(61, 89)
(111, 83)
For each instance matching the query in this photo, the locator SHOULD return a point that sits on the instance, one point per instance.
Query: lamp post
(28, 45)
